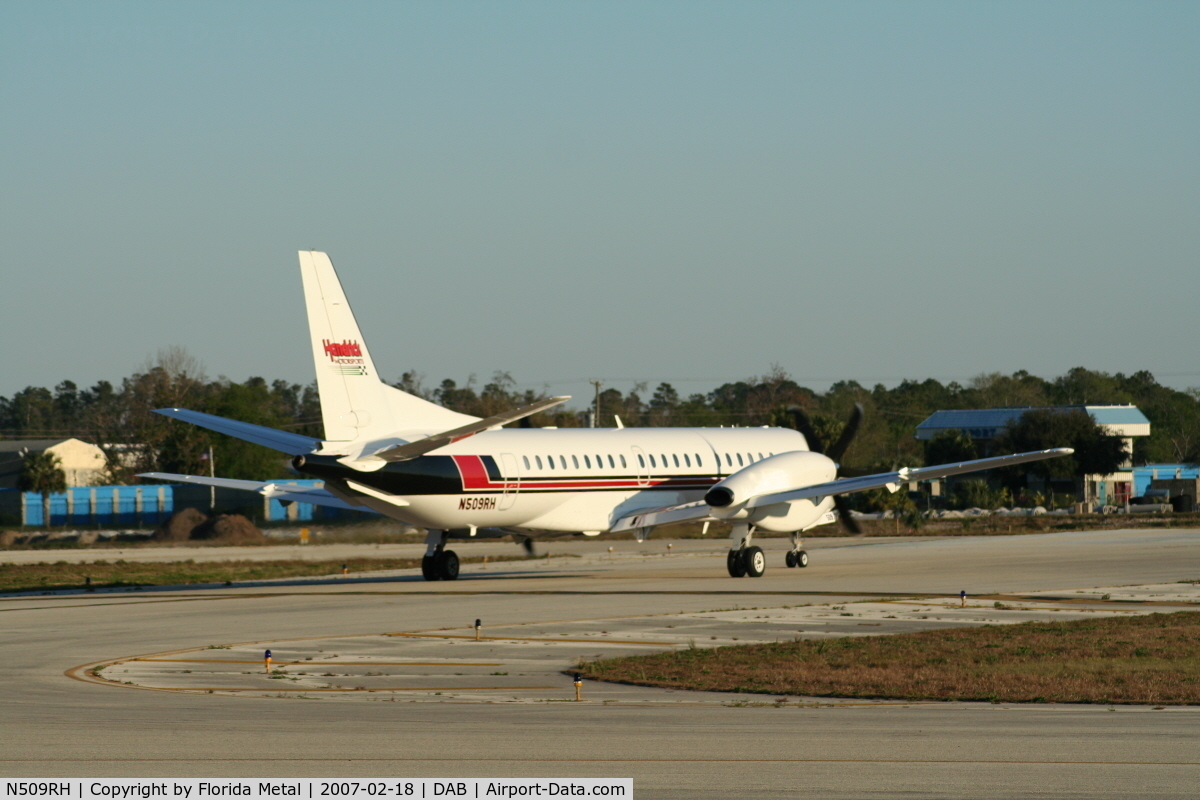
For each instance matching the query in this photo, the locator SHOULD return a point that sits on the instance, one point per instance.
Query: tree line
(120, 419)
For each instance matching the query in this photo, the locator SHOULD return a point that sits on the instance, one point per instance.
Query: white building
(82, 463)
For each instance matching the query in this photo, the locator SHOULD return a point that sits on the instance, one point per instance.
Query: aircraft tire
(429, 568)
(735, 564)
(448, 565)
(790, 559)
(754, 562)
(802, 559)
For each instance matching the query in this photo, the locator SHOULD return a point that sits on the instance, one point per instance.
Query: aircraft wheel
(802, 559)
(448, 565)
(790, 558)
(754, 561)
(429, 568)
(737, 567)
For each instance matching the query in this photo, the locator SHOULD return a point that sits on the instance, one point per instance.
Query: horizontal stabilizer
(291, 443)
(404, 452)
(286, 492)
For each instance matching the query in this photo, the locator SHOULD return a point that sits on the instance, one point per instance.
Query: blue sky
(648, 191)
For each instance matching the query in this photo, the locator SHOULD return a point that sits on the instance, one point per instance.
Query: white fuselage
(568, 480)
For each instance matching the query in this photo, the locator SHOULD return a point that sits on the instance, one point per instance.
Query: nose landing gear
(796, 557)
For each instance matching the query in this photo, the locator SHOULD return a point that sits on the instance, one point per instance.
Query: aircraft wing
(647, 518)
(650, 517)
(286, 492)
(892, 480)
(404, 452)
(291, 443)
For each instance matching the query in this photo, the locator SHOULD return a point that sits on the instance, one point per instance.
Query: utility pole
(212, 473)
(596, 411)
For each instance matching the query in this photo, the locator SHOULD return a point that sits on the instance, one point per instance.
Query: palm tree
(42, 473)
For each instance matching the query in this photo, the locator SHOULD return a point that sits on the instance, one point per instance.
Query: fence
(138, 506)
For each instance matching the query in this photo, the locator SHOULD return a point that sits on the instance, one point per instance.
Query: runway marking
(319, 663)
(550, 760)
(274, 690)
(131, 602)
(532, 638)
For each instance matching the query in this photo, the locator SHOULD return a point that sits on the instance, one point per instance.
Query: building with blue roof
(985, 424)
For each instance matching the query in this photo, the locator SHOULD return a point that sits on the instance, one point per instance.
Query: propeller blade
(843, 508)
(802, 423)
(848, 433)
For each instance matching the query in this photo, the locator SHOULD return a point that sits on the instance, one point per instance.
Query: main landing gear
(439, 564)
(746, 560)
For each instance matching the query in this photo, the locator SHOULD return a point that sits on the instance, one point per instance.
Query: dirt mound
(180, 526)
(229, 528)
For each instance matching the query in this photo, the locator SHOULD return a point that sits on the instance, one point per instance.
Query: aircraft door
(642, 465)
(512, 481)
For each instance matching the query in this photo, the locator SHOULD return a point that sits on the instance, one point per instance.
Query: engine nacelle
(774, 474)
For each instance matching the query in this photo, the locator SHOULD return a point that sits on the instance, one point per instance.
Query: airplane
(462, 477)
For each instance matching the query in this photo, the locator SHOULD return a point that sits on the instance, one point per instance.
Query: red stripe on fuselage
(474, 474)
(475, 479)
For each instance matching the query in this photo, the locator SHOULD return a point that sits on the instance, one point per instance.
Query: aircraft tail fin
(355, 403)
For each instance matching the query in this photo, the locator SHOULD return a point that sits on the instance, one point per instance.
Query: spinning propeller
(803, 424)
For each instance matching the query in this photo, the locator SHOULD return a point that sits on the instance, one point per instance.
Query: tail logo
(347, 357)
(344, 349)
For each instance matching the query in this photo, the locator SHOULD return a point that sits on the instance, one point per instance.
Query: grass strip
(1153, 659)
(121, 573)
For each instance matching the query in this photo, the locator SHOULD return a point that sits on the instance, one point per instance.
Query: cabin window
(675, 458)
(526, 460)
(575, 461)
(587, 462)
(538, 459)
(613, 464)
(599, 462)
(563, 460)
(687, 460)
(760, 456)
(641, 461)
(652, 464)
(550, 461)
(739, 455)
(664, 459)
(699, 463)
(620, 457)
(728, 460)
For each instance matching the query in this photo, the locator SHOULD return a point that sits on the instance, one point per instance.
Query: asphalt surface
(403, 641)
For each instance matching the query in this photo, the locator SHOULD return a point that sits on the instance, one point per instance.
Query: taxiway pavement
(165, 723)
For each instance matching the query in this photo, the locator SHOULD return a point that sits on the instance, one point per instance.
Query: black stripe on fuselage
(439, 475)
